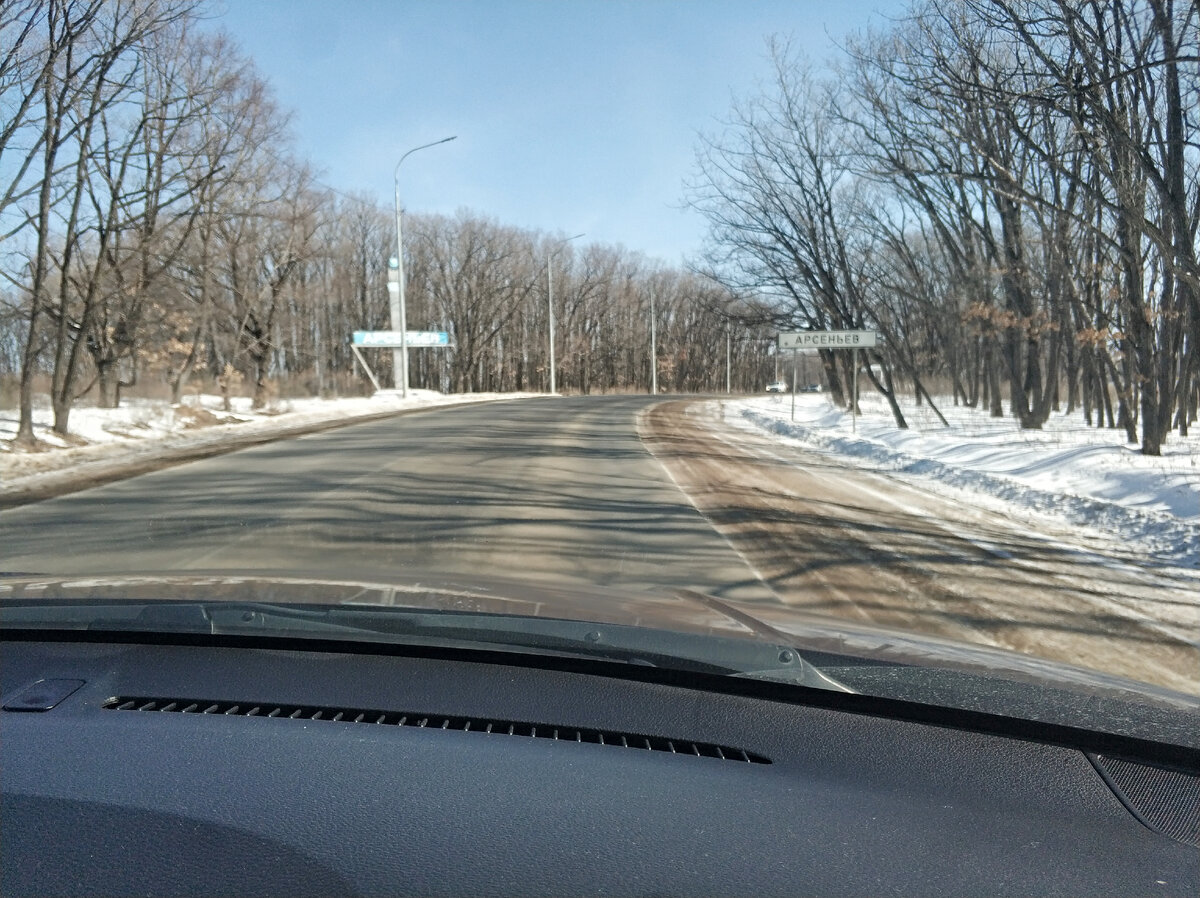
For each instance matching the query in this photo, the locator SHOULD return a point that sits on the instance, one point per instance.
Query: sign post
(371, 374)
(396, 341)
(852, 340)
(793, 386)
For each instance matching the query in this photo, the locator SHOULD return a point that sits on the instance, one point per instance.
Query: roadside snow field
(142, 427)
(1087, 477)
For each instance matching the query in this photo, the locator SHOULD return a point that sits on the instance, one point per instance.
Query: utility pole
(728, 370)
(550, 301)
(653, 347)
(550, 317)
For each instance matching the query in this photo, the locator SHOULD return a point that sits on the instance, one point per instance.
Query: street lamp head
(559, 244)
(424, 146)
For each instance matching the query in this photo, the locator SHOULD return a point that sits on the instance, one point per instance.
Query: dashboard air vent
(436, 722)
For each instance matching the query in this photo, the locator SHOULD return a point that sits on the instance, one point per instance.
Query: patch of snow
(1087, 477)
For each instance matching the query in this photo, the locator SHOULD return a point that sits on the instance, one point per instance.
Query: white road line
(641, 427)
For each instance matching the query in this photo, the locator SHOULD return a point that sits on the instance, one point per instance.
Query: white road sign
(828, 340)
(394, 339)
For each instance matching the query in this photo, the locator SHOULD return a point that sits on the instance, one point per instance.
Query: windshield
(824, 344)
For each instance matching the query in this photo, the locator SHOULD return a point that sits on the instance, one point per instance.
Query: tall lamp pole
(398, 312)
(728, 367)
(653, 346)
(550, 300)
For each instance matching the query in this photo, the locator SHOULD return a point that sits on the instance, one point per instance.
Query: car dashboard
(172, 766)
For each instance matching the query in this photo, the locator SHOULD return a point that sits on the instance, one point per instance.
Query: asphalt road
(553, 491)
(627, 494)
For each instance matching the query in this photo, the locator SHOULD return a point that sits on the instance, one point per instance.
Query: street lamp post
(550, 300)
(653, 347)
(398, 312)
(728, 367)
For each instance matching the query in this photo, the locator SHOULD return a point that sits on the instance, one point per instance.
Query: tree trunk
(887, 389)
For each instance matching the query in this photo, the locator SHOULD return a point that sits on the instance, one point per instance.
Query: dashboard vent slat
(495, 728)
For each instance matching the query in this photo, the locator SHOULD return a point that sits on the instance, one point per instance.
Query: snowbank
(142, 428)
(1087, 477)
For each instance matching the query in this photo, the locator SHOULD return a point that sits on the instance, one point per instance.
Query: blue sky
(570, 116)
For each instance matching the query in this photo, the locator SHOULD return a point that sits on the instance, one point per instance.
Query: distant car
(811, 388)
(778, 386)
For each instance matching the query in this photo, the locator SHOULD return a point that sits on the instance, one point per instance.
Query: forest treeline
(157, 224)
(1008, 191)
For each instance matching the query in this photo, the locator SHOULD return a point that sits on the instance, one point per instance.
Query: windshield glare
(790, 342)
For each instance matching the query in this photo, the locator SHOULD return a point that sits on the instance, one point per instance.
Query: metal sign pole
(793, 385)
(854, 398)
(366, 367)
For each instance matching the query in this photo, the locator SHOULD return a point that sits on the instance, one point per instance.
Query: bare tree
(782, 197)
(89, 58)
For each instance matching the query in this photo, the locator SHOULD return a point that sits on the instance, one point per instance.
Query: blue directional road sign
(394, 339)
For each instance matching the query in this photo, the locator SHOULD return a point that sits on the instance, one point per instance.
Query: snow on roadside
(1085, 476)
(142, 427)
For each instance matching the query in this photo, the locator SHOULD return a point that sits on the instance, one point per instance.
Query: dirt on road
(840, 540)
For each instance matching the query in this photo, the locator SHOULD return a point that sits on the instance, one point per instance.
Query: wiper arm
(451, 628)
(615, 642)
(666, 649)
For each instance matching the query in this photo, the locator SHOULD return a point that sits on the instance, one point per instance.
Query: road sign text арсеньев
(828, 340)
